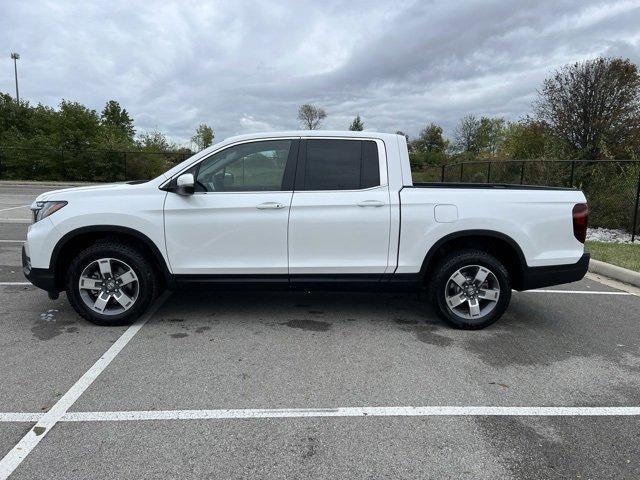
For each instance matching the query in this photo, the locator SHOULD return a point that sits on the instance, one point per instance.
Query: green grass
(621, 254)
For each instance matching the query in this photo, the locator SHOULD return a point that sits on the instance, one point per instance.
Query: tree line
(584, 111)
(75, 127)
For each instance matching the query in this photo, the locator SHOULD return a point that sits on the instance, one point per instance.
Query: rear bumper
(537, 277)
(43, 278)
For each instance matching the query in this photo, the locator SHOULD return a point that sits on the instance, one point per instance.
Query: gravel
(608, 235)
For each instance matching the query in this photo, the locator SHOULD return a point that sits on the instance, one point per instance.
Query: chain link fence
(85, 165)
(612, 187)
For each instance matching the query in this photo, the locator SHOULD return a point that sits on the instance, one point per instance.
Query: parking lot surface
(260, 384)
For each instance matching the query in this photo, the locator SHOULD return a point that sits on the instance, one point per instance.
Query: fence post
(522, 174)
(489, 173)
(573, 164)
(442, 174)
(461, 167)
(635, 211)
(124, 156)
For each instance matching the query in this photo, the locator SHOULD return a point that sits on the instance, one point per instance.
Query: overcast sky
(245, 66)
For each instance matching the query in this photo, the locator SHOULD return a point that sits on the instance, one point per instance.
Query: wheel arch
(82, 237)
(502, 246)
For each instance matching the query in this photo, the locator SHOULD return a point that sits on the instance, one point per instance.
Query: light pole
(16, 57)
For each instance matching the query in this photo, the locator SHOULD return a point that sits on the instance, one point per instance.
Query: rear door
(236, 222)
(340, 213)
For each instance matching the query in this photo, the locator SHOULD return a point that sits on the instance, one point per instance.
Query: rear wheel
(110, 283)
(470, 289)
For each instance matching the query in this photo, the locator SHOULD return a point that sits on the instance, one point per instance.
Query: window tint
(341, 165)
(249, 167)
(370, 165)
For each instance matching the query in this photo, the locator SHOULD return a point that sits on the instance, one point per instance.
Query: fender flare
(471, 233)
(66, 238)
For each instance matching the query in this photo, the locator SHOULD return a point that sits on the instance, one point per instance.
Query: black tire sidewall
(453, 262)
(127, 254)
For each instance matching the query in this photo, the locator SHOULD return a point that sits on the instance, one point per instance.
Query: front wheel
(110, 283)
(470, 289)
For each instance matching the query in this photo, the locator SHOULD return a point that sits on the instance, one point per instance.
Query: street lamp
(16, 57)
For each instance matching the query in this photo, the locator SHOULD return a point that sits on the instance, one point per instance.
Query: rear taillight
(580, 219)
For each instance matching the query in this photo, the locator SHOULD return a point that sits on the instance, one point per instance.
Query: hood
(66, 192)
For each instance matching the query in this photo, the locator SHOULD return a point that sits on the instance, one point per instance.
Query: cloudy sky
(244, 66)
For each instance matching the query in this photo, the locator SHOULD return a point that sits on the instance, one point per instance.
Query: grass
(622, 254)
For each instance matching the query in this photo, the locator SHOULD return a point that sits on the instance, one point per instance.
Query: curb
(613, 271)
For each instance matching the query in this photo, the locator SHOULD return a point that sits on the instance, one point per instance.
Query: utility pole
(16, 57)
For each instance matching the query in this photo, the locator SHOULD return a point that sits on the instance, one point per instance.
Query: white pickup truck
(304, 210)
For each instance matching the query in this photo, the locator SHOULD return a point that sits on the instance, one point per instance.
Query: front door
(236, 221)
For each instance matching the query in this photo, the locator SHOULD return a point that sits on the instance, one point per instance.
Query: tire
(124, 302)
(477, 306)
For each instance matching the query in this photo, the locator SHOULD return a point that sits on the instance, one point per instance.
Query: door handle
(371, 203)
(270, 206)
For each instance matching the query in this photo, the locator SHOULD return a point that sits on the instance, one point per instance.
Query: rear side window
(341, 165)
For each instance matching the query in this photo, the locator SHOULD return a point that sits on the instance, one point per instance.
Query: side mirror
(185, 184)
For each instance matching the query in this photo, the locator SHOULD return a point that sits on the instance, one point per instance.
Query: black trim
(301, 166)
(43, 278)
(470, 233)
(110, 229)
(538, 277)
(289, 177)
(501, 186)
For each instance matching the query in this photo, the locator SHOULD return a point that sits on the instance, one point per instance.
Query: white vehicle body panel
(226, 233)
(321, 232)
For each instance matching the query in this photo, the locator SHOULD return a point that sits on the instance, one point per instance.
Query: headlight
(44, 209)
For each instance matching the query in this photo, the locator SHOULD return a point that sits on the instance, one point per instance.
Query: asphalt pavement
(260, 385)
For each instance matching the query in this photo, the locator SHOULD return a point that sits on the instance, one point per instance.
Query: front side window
(248, 167)
(341, 165)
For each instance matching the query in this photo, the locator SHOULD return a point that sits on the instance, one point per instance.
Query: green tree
(356, 125)
(593, 106)
(77, 127)
(431, 140)
(154, 141)
(311, 117)
(203, 137)
(117, 126)
(479, 136)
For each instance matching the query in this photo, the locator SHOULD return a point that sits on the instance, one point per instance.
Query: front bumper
(43, 278)
(537, 277)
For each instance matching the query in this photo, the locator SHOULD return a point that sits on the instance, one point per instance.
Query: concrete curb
(615, 272)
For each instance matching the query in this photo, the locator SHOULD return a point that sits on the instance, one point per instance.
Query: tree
(356, 125)
(117, 120)
(203, 137)
(530, 139)
(593, 106)
(154, 141)
(77, 127)
(431, 139)
(479, 135)
(466, 133)
(310, 116)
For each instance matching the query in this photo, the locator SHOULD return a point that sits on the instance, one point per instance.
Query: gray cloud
(246, 66)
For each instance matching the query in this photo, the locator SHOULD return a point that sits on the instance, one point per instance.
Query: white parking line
(15, 220)
(20, 417)
(348, 412)
(19, 452)
(578, 292)
(14, 283)
(12, 208)
(12, 241)
(407, 411)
